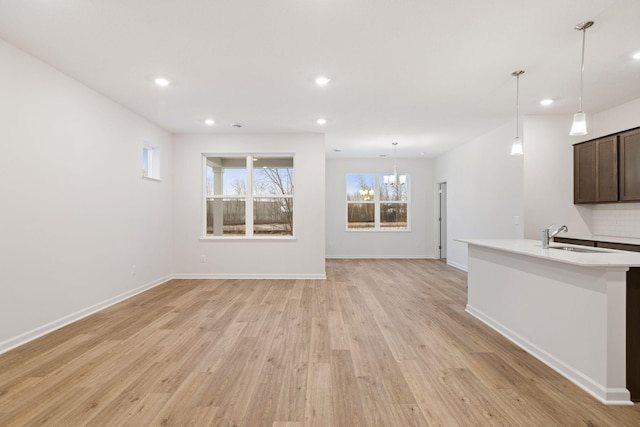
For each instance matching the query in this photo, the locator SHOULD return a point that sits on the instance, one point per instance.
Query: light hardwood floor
(379, 343)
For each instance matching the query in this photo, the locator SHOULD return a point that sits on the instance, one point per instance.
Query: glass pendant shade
(579, 126)
(516, 147)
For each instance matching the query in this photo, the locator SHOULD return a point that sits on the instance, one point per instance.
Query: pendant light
(516, 147)
(579, 126)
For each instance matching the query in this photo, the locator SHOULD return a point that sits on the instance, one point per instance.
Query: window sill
(378, 231)
(245, 239)
(151, 178)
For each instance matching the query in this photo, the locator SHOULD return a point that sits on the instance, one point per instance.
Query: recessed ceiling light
(209, 122)
(547, 101)
(321, 121)
(383, 155)
(322, 80)
(636, 55)
(236, 125)
(161, 81)
(336, 150)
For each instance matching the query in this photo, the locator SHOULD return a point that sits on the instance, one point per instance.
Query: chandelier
(394, 179)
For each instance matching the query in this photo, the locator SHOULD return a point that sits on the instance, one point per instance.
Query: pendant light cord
(582, 26)
(517, 76)
(584, 36)
(517, 104)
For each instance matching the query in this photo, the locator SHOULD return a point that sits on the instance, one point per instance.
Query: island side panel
(633, 333)
(563, 314)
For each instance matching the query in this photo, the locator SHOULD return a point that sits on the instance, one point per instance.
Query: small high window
(150, 162)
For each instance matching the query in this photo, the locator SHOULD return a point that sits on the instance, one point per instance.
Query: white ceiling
(429, 74)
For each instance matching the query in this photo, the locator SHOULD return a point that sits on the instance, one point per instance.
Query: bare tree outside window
(393, 203)
(375, 202)
(273, 196)
(360, 202)
(270, 198)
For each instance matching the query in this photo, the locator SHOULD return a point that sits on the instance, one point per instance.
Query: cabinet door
(595, 171)
(630, 165)
(584, 172)
(607, 169)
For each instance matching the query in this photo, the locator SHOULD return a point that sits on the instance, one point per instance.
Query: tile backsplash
(620, 220)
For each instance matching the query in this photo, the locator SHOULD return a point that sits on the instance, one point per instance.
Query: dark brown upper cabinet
(607, 170)
(595, 171)
(630, 165)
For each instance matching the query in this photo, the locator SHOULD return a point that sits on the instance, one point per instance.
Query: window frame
(248, 198)
(153, 162)
(377, 202)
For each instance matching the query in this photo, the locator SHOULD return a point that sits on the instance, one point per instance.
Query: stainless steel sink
(574, 249)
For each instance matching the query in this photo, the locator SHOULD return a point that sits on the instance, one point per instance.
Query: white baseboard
(360, 256)
(31, 335)
(456, 265)
(605, 395)
(250, 276)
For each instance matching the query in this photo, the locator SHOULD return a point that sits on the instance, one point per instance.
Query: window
(377, 202)
(248, 195)
(150, 162)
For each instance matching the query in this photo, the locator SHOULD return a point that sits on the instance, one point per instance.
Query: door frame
(440, 222)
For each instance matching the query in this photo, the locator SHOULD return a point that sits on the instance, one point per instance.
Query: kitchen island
(565, 307)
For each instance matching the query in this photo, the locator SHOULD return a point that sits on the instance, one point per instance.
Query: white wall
(548, 177)
(302, 257)
(613, 120)
(76, 214)
(417, 243)
(484, 191)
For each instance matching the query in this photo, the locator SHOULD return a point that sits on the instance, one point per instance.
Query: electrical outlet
(516, 220)
(203, 258)
(133, 270)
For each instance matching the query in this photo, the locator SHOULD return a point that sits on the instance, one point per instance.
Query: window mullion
(249, 199)
(204, 188)
(376, 200)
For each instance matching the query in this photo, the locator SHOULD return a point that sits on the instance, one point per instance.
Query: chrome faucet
(546, 236)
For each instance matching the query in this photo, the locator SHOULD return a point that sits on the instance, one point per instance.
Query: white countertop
(601, 258)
